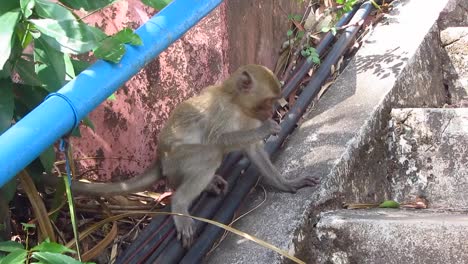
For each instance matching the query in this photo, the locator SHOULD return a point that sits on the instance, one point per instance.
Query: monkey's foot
(185, 230)
(217, 186)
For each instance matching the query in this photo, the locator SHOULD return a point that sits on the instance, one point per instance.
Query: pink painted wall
(127, 128)
(237, 32)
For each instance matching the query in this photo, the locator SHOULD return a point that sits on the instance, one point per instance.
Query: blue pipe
(28, 138)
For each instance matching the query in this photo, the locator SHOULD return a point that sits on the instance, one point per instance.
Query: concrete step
(392, 236)
(429, 154)
(455, 42)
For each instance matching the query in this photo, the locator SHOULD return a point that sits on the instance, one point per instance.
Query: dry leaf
(310, 21)
(325, 88)
(360, 205)
(282, 102)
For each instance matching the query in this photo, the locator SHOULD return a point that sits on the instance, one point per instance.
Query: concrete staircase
(393, 236)
(427, 158)
(429, 149)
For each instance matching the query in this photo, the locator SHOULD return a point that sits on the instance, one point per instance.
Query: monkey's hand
(271, 127)
(217, 186)
(300, 183)
(185, 230)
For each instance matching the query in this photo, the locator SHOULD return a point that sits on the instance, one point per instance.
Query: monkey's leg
(195, 181)
(260, 158)
(217, 186)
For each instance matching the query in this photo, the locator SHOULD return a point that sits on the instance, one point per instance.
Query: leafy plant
(347, 4)
(45, 252)
(40, 39)
(311, 54)
(332, 29)
(295, 17)
(39, 43)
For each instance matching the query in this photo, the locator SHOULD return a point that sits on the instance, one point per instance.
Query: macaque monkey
(234, 115)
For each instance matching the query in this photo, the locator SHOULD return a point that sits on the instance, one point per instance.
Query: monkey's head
(255, 89)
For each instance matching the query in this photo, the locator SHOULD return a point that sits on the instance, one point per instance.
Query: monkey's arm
(137, 183)
(260, 158)
(237, 140)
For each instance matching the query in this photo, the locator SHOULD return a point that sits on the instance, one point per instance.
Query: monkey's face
(265, 109)
(255, 90)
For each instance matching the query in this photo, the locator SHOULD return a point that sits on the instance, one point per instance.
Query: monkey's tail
(135, 184)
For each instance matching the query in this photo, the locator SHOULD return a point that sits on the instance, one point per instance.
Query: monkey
(235, 115)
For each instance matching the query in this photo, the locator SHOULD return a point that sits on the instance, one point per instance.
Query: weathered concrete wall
(430, 150)
(422, 84)
(454, 14)
(235, 33)
(392, 237)
(455, 43)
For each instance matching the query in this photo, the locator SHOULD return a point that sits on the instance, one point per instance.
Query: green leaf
(315, 59)
(26, 7)
(27, 226)
(10, 246)
(76, 132)
(80, 66)
(52, 247)
(6, 104)
(8, 190)
(111, 97)
(300, 34)
(30, 96)
(69, 36)
(110, 50)
(18, 257)
(333, 30)
(35, 33)
(389, 204)
(156, 4)
(289, 33)
(48, 158)
(27, 73)
(8, 6)
(48, 9)
(6, 72)
(127, 35)
(49, 65)
(88, 5)
(297, 17)
(325, 29)
(340, 2)
(8, 22)
(69, 69)
(55, 258)
(23, 31)
(87, 122)
(57, 200)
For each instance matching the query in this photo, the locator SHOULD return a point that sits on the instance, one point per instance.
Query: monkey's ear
(245, 82)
